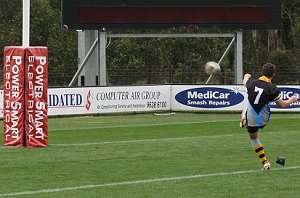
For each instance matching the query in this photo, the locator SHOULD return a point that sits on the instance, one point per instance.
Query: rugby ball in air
(211, 67)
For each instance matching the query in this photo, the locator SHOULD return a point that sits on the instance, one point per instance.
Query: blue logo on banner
(64, 100)
(286, 93)
(209, 97)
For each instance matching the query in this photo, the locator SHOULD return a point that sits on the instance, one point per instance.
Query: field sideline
(184, 155)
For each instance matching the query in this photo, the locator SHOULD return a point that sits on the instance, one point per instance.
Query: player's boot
(266, 165)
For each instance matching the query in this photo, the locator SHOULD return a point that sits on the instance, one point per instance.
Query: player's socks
(259, 149)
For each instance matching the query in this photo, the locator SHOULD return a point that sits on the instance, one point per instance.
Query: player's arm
(285, 103)
(246, 78)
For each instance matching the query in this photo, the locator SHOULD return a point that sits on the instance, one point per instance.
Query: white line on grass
(151, 124)
(141, 182)
(146, 140)
(138, 141)
(154, 140)
(142, 125)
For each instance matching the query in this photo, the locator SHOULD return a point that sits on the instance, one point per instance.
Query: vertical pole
(83, 62)
(81, 55)
(26, 22)
(102, 57)
(238, 54)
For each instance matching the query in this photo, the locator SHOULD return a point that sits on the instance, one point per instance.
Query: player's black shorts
(254, 129)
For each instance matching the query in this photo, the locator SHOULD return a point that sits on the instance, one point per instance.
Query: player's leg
(243, 121)
(258, 147)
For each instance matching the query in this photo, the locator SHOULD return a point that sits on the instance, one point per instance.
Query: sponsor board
(97, 100)
(286, 92)
(208, 98)
(67, 101)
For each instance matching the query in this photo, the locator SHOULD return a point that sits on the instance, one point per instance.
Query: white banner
(199, 98)
(98, 100)
(217, 97)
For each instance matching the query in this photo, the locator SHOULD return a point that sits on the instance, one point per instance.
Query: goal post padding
(25, 96)
(13, 96)
(36, 94)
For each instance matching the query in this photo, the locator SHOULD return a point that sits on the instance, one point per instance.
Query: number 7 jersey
(261, 93)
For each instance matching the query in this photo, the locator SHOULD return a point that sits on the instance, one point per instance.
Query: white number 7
(260, 91)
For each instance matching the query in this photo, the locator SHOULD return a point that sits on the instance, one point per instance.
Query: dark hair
(268, 70)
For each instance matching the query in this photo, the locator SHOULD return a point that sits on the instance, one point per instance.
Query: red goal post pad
(13, 96)
(36, 107)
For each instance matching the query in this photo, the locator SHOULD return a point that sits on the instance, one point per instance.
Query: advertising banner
(199, 98)
(286, 92)
(97, 100)
(36, 96)
(13, 96)
(223, 98)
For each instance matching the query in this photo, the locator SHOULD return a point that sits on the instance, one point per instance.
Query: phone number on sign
(153, 105)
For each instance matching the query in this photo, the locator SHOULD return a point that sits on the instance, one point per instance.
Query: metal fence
(179, 73)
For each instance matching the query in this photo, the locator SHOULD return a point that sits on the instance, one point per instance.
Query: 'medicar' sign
(209, 97)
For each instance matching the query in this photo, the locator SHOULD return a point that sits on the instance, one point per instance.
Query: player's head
(268, 70)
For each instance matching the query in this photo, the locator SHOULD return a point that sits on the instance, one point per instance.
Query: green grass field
(185, 155)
